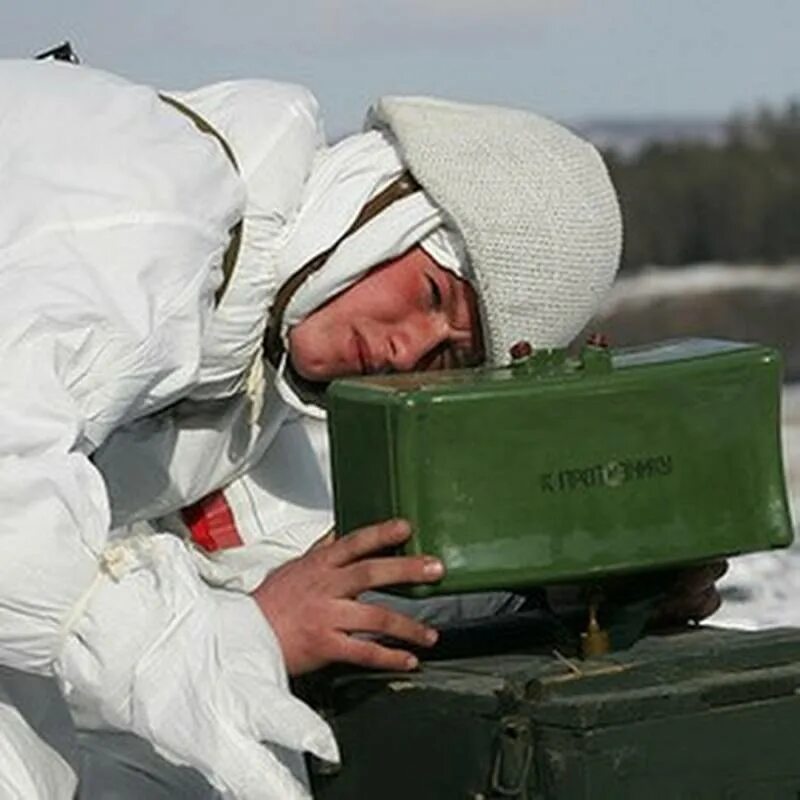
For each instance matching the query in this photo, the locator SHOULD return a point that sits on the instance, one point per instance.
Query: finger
(697, 579)
(367, 541)
(372, 655)
(691, 607)
(719, 568)
(710, 605)
(374, 573)
(714, 570)
(364, 618)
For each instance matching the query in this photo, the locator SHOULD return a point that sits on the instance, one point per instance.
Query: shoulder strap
(273, 341)
(232, 251)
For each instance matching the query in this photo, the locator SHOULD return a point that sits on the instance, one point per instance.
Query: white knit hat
(534, 204)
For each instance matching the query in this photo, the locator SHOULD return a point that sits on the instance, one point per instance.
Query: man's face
(407, 314)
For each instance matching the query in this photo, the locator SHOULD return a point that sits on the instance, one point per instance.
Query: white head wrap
(344, 178)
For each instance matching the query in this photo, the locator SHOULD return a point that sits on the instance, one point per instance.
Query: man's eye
(436, 293)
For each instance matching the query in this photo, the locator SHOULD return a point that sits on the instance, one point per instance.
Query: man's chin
(316, 372)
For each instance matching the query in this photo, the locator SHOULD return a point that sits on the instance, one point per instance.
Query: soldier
(181, 276)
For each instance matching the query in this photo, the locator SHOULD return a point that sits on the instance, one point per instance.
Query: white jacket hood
(116, 219)
(344, 178)
(302, 196)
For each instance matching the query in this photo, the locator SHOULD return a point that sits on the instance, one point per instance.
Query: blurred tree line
(738, 201)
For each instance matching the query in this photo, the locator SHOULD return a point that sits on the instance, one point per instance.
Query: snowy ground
(763, 590)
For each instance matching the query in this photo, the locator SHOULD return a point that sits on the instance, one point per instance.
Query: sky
(570, 59)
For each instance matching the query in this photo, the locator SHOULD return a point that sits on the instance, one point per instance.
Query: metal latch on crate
(512, 762)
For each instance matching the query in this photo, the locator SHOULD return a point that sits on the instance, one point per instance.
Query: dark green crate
(554, 470)
(704, 715)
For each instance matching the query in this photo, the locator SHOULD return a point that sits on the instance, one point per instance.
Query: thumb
(272, 714)
(247, 770)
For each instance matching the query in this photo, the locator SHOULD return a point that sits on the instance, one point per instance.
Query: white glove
(196, 671)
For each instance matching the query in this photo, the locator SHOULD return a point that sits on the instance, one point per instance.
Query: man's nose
(409, 344)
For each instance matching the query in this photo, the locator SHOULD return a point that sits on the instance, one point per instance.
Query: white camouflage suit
(116, 217)
(117, 212)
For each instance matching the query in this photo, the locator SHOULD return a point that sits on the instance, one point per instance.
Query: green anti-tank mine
(558, 468)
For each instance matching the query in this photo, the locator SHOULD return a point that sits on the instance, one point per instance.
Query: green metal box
(702, 715)
(555, 469)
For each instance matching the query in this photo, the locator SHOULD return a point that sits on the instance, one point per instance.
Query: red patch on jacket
(211, 523)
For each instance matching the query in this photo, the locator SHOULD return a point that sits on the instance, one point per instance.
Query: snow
(763, 590)
(657, 284)
(760, 590)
